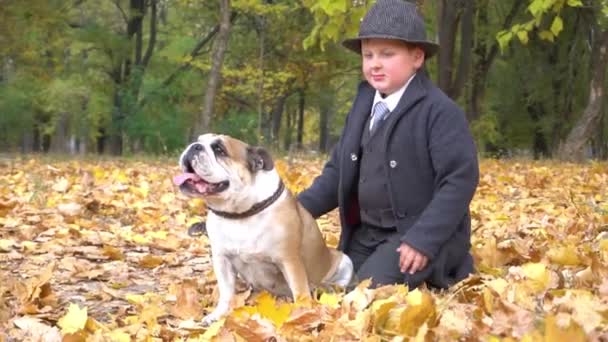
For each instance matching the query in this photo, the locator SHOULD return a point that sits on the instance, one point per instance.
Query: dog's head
(220, 167)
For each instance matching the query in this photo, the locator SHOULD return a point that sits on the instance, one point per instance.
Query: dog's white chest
(243, 237)
(249, 246)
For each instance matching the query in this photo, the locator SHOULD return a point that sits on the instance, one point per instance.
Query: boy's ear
(419, 56)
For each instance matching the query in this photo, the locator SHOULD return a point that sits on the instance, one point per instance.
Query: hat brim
(429, 48)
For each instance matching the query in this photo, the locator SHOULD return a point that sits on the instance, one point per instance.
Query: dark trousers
(373, 251)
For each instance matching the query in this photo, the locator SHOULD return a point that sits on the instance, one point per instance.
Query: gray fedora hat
(393, 19)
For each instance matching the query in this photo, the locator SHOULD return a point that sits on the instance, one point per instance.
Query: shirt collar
(393, 99)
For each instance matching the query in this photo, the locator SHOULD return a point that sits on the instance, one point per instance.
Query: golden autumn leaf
(359, 298)
(268, 308)
(537, 274)
(420, 308)
(6, 245)
(564, 255)
(118, 336)
(563, 328)
(74, 320)
(213, 330)
(380, 311)
(151, 261)
(188, 304)
(62, 185)
(330, 299)
(113, 253)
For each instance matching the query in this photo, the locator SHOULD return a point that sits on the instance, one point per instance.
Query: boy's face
(388, 64)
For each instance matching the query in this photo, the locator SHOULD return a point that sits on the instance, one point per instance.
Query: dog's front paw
(211, 318)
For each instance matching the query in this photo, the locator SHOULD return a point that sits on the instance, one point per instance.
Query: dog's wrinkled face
(219, 166)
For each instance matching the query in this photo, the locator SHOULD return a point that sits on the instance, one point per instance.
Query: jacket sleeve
(322, 196)
(454, 158)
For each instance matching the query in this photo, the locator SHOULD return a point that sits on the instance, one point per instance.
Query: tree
(596, 12)
(217, 59)
(573, 148)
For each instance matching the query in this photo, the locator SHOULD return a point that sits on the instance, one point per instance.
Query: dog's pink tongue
(181, 179)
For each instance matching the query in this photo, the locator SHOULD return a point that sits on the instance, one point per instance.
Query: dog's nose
(197, 147)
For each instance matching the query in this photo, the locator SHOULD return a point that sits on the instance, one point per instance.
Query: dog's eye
(218, 150)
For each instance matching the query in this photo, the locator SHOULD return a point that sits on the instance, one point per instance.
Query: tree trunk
(128, 75)
(451, 14)
(326, 108)
(484, 56)
(466, 49)
(291, 115)
(301, 105)
(28, 141)
(447, 22)
(277, 115)
(219, 49)
(260, 25)
(573, 149)
(60, 143)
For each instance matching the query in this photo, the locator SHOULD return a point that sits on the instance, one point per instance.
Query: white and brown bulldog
(257, 229)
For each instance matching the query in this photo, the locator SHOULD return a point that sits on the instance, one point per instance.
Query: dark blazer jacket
(432, 171)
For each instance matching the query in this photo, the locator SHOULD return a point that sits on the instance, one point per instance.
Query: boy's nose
(376, 63)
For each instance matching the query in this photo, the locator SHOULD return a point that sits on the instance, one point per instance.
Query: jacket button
(393, 164)
(353, 157)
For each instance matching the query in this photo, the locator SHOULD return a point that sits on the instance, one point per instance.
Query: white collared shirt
(392, 100)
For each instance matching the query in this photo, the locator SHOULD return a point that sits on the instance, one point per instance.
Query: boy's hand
(411, 260)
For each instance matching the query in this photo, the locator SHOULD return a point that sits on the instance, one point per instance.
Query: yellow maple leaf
(213, 330)
(141, 239)
(137, 299)
(74, 320)
(268, 308)
(563, 328)
(151, 261)
(6, 245)
(564, 255)
(62, 185)
(330, 300)
(380, 311)
(537, 274)
(359, 298)
(119, 336)
(420, 308)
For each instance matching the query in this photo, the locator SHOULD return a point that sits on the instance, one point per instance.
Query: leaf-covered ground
(98, 251)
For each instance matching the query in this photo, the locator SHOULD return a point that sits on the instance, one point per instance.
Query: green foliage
(16, 110)
(334, 20)
(242, 125)
(486, 130)
(541, 10)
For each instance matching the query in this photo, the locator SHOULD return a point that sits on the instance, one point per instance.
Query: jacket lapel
(360, 113)
(414, 92)
(352, 138)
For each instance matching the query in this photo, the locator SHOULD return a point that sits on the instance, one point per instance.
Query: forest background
(96, 248)
(130, 76)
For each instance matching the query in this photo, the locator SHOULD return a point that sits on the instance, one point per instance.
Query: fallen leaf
(74, 320)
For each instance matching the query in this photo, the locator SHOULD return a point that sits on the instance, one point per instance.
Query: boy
(405, 168)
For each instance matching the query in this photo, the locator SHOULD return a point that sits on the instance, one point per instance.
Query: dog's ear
(259, 159)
